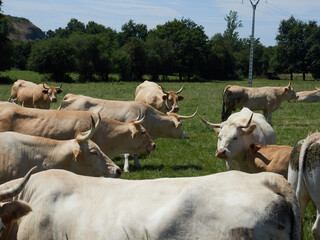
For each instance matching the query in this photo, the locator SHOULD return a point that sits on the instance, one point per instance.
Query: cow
(12, 211)
(70, 206)
(79, 155)
(267, 99)
(237, 133)
(34, 95)
(113, 137)
(304, 175)
(153, 94)
(308, 96)
(270, 158)
(157, 124)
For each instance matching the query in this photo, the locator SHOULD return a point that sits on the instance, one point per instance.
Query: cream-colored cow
(80, 155)
(153, 94)
(228, 205)
(34, 95)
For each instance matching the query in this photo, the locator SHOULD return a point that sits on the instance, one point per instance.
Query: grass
(195, 155)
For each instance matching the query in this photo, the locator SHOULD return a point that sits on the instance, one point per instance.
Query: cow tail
(224, 99)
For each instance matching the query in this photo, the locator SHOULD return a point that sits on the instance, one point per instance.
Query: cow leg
(316, 227)
(136, 161)
(126, 162)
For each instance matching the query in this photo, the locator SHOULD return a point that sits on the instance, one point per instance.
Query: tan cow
(34, 95)
(113, 137)
(13, 210)
(154, 95)
(308, 96)
(304, 176)
(267, 99)
(269, 158)
(217, 206)
(157, 124)
(80, 155)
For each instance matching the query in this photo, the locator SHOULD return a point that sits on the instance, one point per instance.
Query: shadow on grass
(147, 168)
(186, 167)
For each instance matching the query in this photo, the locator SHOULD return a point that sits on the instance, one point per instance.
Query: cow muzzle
(53, 99)
(221, 153)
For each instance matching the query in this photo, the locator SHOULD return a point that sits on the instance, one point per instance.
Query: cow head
(171, 99)
(52, 92)
(140, 140)
(175, 125)
(13, 210)
(289, 93)
(231, 137)
(88, 157)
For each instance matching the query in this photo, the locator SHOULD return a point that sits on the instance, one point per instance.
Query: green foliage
(53, 56)
(132, 29)
(5, 45)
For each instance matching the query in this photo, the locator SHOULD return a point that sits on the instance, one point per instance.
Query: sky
(52, 14)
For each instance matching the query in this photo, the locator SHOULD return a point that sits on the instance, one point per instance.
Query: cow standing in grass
(34, 95)
(154, 95)
(267, 99)
(237, 133)
(304, 176)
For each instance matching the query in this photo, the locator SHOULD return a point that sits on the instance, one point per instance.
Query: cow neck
(111, 135)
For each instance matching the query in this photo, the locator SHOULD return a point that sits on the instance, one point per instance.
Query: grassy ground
(195, 155)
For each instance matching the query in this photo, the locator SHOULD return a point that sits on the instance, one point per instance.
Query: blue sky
(52, 14)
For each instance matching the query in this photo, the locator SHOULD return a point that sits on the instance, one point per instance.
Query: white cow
(13, 210)
(237, 133)
(229, 205)
(308, 96)
(304, 175)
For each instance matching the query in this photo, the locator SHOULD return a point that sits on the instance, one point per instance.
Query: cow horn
(187, 117)
(163, 90)
(248, 123)
(180, 90)
(209, 124)
(44, 86)
(88, 134)
(139, 121)
(60, 86)
(171, 111)
(10, 193)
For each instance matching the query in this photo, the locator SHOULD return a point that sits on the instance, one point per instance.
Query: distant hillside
(22, 29)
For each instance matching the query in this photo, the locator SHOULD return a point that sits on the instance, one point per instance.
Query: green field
(195, 155)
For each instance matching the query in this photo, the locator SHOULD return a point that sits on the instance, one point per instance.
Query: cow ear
(14, 210)
(164, 97)
(217, 130)
(250, 129)
(134, 131)
(180, 98)
(59, 91)
(45, 91)
(76, 153)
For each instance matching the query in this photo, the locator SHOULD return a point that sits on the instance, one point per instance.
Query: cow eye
(93, 151)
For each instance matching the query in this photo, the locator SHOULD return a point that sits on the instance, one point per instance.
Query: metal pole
(254, 6)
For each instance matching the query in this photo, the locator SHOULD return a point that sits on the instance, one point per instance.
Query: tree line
(177, 48)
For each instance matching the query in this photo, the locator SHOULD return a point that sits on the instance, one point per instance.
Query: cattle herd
(74, 193)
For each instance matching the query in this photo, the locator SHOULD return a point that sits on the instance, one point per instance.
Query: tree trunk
(304, 76)
(291, 76)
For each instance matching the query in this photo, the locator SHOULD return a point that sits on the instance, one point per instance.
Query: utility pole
(254, 6)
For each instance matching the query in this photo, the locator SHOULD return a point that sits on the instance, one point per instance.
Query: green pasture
(195, 155)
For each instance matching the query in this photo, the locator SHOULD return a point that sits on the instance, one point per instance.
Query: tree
(135, 48)
(230, 34)
(160, 57)
(189, 44)
(313, 54)
(5, 44)
(130, 30)
(53, 56)
(293, 45)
